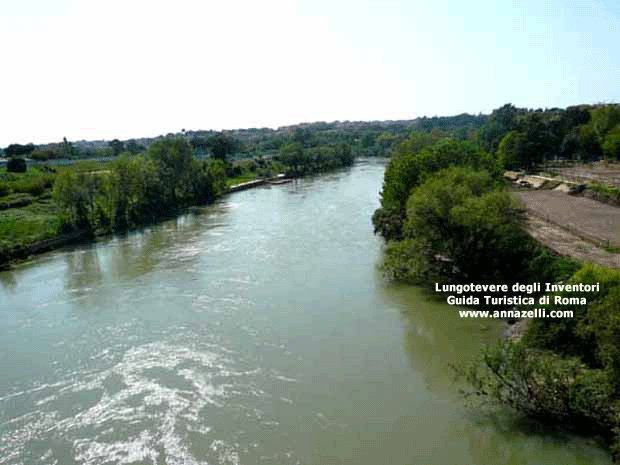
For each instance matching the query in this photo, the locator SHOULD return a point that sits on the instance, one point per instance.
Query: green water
(253, 331)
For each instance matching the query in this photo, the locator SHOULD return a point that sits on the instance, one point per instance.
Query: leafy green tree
(611, 145)
(200, 144)
(570, 144)
(44, 154)
(66, 149)
(413, 144)
(368, 139)
(292, 154)
(134, 148)
(502, 120)
(541, 142)
(406, 171)
(18, 150)
(576, 336)
(117, 147)
(604, 119)
(384, 143)
(589, 145)
(574, 116)
(16, 165)
(303, 136)
(75, 192)
(173, 158)
(465, 228)
(222, 145)
(138, 189)
(216, 170)
(512, 149)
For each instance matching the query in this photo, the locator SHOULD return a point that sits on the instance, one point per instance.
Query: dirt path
(568, 244)
(574, 226)
(594, 221)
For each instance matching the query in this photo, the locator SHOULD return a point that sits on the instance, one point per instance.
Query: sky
(92, 70)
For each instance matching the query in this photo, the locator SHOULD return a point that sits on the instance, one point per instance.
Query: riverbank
(21, 250)
(201, 340)
(574, 220)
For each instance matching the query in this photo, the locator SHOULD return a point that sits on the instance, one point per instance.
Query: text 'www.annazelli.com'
(536, 313)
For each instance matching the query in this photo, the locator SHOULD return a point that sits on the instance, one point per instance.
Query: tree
(66, 149)
(502, 120)
(575, 116)
(611, 145)
(604, 119)
(303, 136)
(18, 150)
(589, 143)
(459, 226)
(117, 147)
(174, 160)
(292, 154)
(134, 148)
(511, 150)
(16, 165)
(221, 145)
(200, 144)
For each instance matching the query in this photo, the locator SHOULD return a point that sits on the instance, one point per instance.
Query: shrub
(544, 386)
(585, 335)
(16, 165)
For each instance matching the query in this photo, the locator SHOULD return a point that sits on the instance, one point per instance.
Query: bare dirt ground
(574, 226)
(585, 173)
(568, 244)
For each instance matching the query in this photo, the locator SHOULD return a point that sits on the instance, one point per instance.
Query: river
(253, 331)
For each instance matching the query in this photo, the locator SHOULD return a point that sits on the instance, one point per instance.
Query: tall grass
(34, 182)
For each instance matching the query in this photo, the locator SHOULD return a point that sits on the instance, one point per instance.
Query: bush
(16, 165)
(585, 334)
(137, 190)
(465, 228)
(611, 145)
(5, 188)
(544, 386)
(407, 170)
(44, 154)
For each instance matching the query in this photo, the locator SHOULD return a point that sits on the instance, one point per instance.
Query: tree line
(138, 190)
(448, 217)
(524, 138)
(141, 189)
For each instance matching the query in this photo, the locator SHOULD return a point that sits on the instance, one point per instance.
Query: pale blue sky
(130, 68)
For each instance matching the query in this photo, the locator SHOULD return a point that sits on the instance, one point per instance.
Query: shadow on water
(83, 272)
(133, 254)
(436, 337)
(8, 281)
(489, 427)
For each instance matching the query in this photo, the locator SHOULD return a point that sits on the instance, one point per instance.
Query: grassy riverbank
(90, 198)
(27, 213)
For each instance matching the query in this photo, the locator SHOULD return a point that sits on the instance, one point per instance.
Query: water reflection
(8, 281)
(83, 272)
(495, 436)
(436, 336)
(252, 331)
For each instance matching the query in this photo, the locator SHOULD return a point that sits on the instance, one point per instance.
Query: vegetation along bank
(449, 218)
(43, 207)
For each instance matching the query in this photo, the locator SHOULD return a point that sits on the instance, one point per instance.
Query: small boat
(281, 181)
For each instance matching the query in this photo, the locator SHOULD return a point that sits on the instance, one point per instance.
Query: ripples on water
(157, 402)
(255, 331)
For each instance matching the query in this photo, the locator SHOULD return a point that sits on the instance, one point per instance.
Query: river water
(253, 331)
